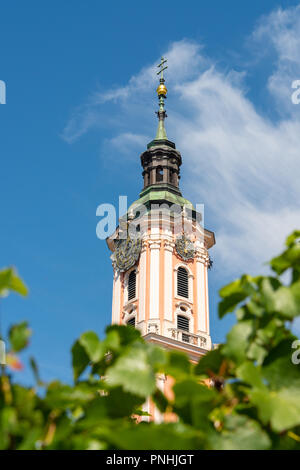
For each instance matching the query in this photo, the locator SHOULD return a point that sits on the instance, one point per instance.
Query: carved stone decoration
(129, 310)
(126, 253)
(153, 328)
(185, 247)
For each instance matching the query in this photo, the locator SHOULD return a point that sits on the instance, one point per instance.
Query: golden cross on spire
(162, 67)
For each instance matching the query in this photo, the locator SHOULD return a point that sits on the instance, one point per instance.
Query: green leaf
(126, 334)
(286, 302)
(9, 419)
(19, 336)
(160, 400)
(256, 352)
(238, 341)
(188, 389)
(5, 276)
(280, 264)
(133, 372)
(295, 291)
(156, 437)
(267, 291)
(228, 304)
(250, 374)
(283, 300)
(254, 308)
(211, 362)
(292, 238)
(112, 341)
(65, 396)
(293, 254)
(266, 334)
(35, 371)
(288, 259)
(9, 280)
(278, 369)
(240, 433)
(93, 347)
(232, 288)
(235, 292)
(178, 365)
(17, 284)
(80, 359)
(95, 413)
(193, 403)
(25, 401)
(31, 437)
(280, 409)
(120, 404)
(157, 356)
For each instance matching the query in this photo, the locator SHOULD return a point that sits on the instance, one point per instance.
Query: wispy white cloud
(184, 62)
(279, 33)
(127, 143)
(83, 119)
(241, 164)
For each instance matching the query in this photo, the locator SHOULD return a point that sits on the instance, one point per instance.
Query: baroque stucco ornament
(185, 247)
(126, 253)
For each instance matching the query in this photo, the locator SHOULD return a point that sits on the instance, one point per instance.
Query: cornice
(169, 245)
(154, 244)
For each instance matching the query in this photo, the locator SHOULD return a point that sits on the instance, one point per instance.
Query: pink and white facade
(158, 304)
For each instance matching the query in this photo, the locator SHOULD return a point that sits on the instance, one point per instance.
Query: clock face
(185, 247)
(126, 253)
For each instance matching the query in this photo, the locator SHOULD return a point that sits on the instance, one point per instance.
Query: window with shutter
(182, 282)
(183, 324)
(132, 285)
(131, 322)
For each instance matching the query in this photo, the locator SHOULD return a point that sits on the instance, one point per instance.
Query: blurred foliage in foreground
(253, 401)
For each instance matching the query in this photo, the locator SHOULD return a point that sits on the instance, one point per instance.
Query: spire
(161, 135)
(162, 95)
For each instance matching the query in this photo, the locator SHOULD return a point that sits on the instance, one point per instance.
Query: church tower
(160, 254)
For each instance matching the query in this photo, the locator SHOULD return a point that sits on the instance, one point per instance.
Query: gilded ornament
(185, 247)
(126, 253)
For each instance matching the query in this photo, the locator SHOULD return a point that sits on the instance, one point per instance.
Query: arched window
(183, 324)
(159, 174)
(132, 285)
(131, 322)
(182, 282)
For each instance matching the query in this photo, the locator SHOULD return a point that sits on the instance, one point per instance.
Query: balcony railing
(187, 337)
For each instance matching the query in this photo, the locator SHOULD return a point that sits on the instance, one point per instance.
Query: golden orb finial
(161, 90)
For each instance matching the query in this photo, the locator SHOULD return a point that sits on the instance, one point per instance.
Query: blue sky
(80, 110)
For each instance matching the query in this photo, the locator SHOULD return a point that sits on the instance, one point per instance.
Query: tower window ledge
(184, 299)
(131, 301)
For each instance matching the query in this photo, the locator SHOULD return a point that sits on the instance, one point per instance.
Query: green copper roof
(162, 196)
(160, 142)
